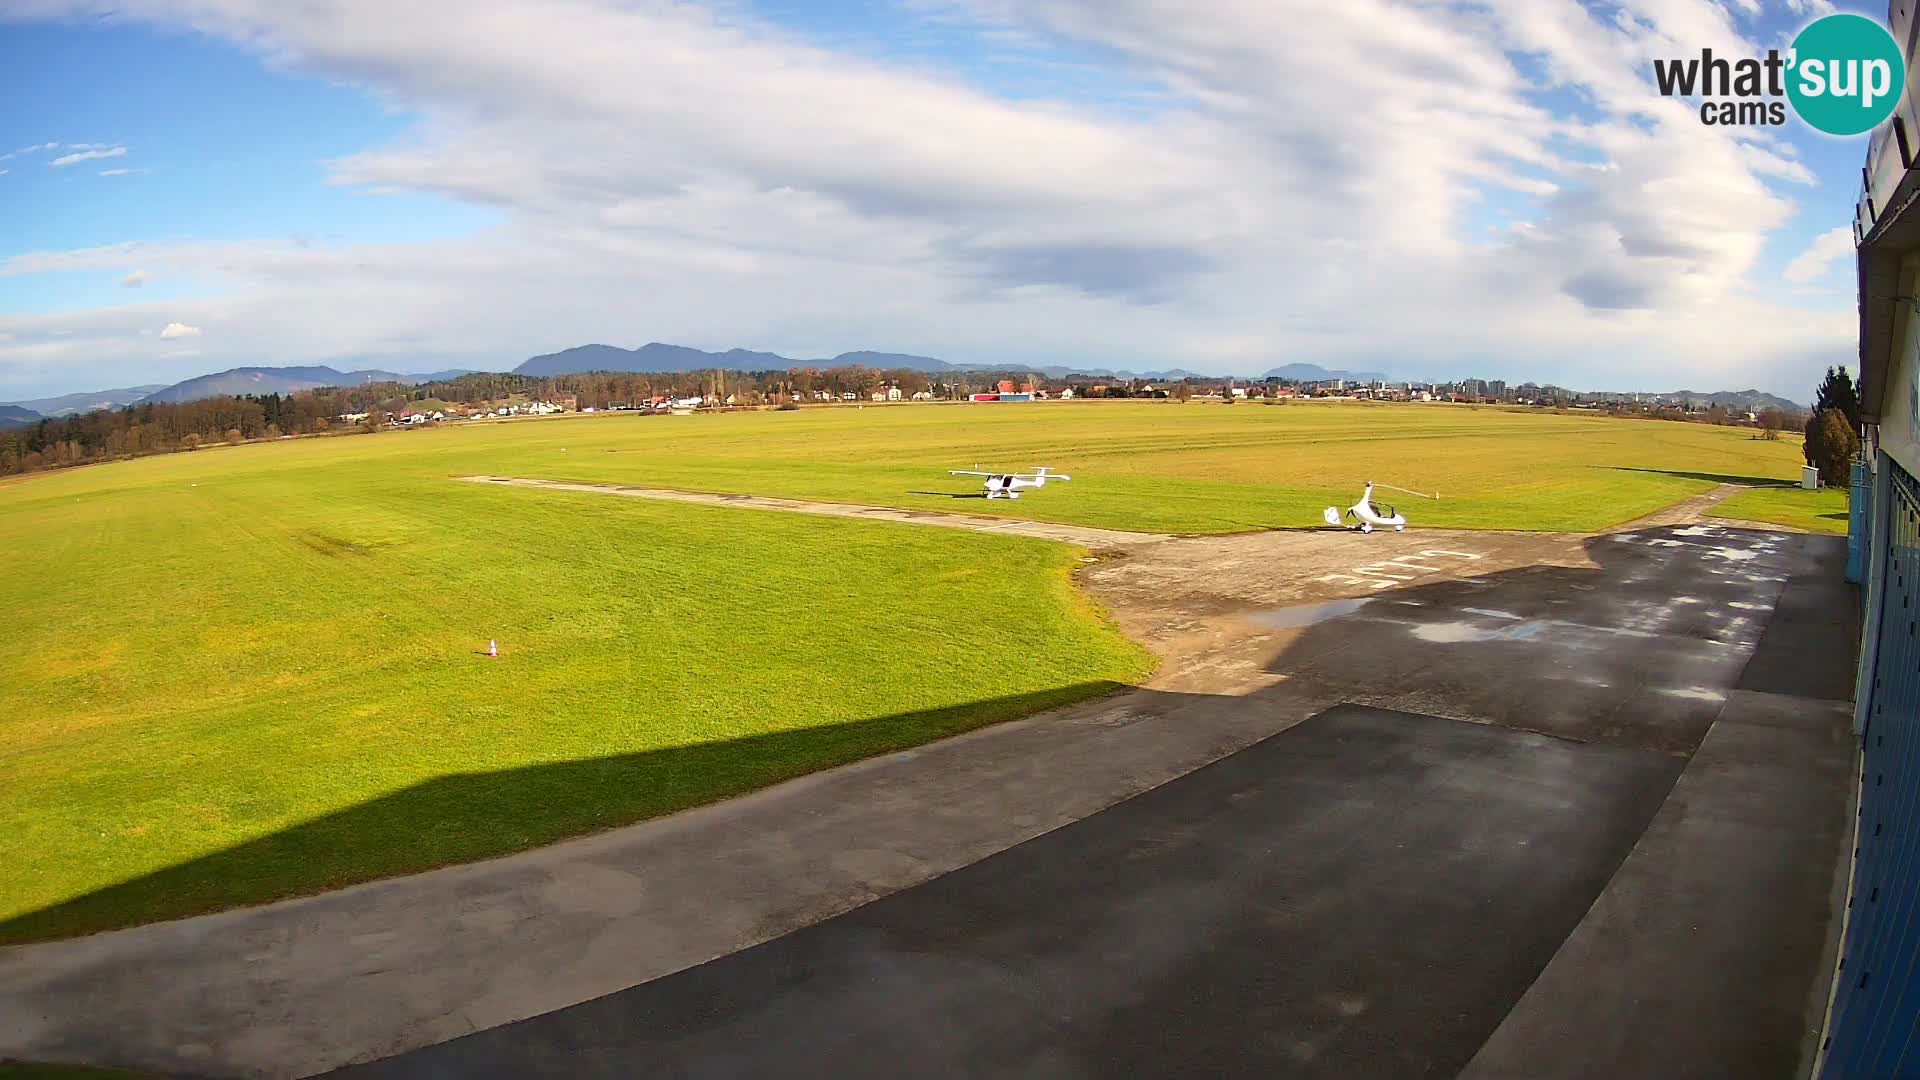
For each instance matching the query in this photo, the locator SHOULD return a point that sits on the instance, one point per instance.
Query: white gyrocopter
(1010, 485)
(1370, 516)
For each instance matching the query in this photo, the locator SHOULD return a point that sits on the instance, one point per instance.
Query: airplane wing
(966, 472)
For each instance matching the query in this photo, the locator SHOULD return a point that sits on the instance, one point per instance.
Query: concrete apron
(1632, 639)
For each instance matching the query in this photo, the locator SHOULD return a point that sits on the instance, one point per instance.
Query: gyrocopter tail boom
(1369, 515)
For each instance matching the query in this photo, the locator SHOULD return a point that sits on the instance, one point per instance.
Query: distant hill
(887, 361)
(13, 416)
(663, 358)
(667, 359)
(1752, 400)
(1316, 373)
(91, 401)
(281, 380)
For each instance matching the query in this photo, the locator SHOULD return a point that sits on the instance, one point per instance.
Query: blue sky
(219, 146)
(1436, 190)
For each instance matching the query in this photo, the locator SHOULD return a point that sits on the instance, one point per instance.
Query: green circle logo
(1846, 74)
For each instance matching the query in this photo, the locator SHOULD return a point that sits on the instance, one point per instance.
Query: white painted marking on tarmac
(1694, 693)
(1380, 570)
(1395, 571)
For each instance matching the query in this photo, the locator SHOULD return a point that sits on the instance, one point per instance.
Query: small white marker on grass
(493, 649)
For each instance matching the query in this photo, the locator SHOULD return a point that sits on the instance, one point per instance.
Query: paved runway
(1365, 894)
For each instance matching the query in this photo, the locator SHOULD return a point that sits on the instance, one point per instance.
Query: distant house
(1066, 393)
(893, 393)
(922, 395)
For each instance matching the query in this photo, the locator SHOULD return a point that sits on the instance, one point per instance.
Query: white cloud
(1828, 248)
(135, 279)
(87, 155)
(123, 172)
(1303, 183)
(178, 330)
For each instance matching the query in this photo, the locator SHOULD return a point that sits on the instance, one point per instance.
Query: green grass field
(246, 673)
(240, 674)
(1824, 510)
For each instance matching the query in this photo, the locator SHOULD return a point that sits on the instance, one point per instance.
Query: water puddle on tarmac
(1292, 618)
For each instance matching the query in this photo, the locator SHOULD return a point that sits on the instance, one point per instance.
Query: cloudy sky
(1429, 188)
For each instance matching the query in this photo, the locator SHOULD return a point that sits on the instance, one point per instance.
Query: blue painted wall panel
(1875, 1028)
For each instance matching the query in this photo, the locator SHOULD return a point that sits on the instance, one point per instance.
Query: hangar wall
(1873, 1023)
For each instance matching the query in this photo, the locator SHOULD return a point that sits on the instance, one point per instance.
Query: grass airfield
(253, 672)
(1160, 466)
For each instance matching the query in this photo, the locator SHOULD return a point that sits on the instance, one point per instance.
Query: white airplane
(1369, 515)
(1010, 485)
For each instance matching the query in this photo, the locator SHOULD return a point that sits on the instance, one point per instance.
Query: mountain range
(665, 358)
(240, 381)
(660, 357)
(1316, 373)
(1752, 400)
(657, 356)
(91, 401)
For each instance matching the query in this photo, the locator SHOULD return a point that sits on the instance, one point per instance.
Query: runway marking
(1382, 575)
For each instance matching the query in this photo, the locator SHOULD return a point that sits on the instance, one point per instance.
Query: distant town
(685, 391)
